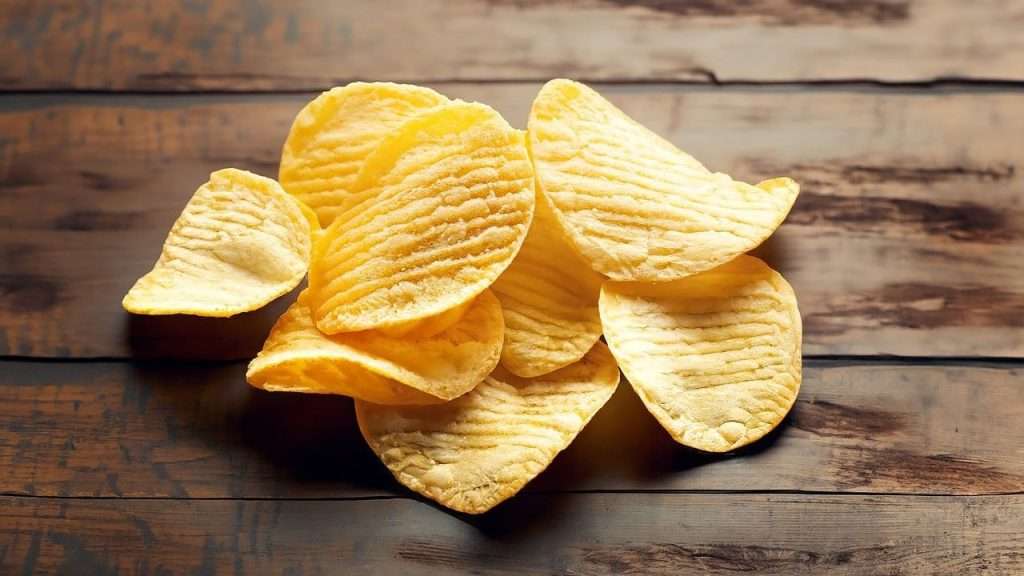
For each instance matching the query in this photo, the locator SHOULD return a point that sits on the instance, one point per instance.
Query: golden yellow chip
(635, 206)
(549, 298)
(714, 357)
(376, 367)
(475, 452)
(443, 207)
(240, 243)
(332, 136)
(427, 326)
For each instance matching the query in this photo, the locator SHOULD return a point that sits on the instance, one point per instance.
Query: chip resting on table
(413, 368)
(632, 204)
(714, 357)
(479, 450)
(240, 243)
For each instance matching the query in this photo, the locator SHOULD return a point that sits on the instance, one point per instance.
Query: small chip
(332, 136)
(442, 208)
(477, 451)
(632, 204)
(412, 369)
(240, 243)
(715, 357)
(549, 298)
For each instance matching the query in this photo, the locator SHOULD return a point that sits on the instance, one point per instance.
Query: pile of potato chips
(461, 274)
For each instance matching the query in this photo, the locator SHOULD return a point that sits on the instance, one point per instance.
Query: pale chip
(240, 243)
(376, 367)
(549, 298)
(479, 450)
(332, 136)
(715, 357)
(632, 204)
(442, 208)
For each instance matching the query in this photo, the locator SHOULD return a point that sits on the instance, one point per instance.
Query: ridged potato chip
(332, 136)
(427, 326)
(241, 242)
(715, 357)
(443, 206)
(376, 367)
(549, 298)
(475, 452)
(633, 205)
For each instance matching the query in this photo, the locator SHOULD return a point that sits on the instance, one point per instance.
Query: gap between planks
(942, 85)
(527, 491)
(812, 360)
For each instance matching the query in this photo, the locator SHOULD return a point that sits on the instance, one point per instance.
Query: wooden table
(132, 445)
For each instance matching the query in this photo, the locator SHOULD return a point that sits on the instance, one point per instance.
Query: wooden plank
(538, 534)
(312, 44)
(159, 430)
(906, 239)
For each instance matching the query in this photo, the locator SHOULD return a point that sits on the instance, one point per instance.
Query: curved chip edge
(610, 370)
(134, 300)
(663, 419)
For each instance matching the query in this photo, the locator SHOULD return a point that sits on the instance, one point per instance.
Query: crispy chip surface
(549, 298)
(444, 205)
(715, 357)
(428, 326)
(332, 136)
(635, 206)
(373, 366)
(241, 242)
(475, 452)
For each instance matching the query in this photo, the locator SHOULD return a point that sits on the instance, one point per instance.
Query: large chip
(412, 369)
(240, 243)
(443, 207)
(479, 450)
(715, 357)
(635, 206)
(427, 326)
(549, 298)
(332, 136)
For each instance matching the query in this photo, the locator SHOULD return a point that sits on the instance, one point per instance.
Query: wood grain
(537, 534)
(906, 238)
(160, 430)
(312, 44)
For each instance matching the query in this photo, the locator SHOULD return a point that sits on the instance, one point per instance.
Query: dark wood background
(132, 445)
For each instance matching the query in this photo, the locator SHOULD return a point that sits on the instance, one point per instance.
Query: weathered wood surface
(906, 239)
(535, 534)
(311, 44)
(159, 430)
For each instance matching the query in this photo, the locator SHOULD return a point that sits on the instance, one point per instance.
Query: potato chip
(427, 326)
(477, 451)
(715, 357)
(632, 204)
(444, 205)
(240, 243)
(549, 298)
(332, 136)
(376, 367)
